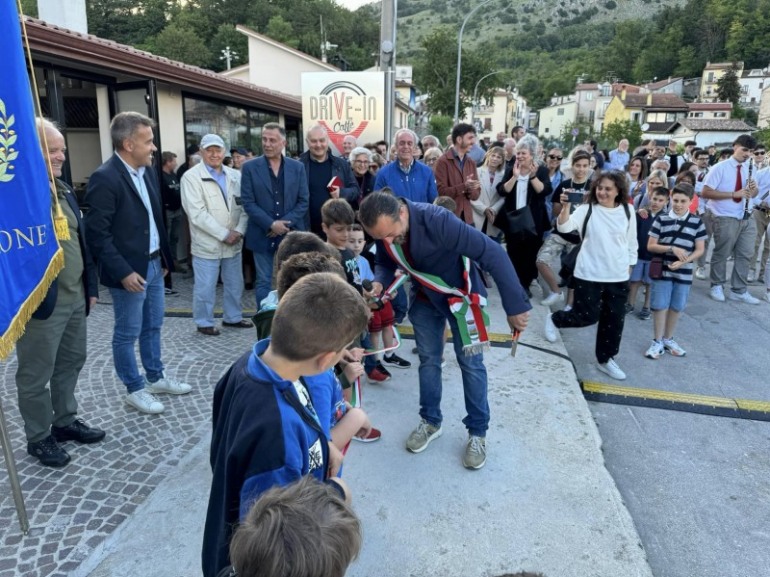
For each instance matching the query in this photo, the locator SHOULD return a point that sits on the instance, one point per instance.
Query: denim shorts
(667, 294)
(641, 272)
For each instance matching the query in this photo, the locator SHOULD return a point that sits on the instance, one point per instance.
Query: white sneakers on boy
(144, 402)
(552, 299)
(717, 293)
(743, 297)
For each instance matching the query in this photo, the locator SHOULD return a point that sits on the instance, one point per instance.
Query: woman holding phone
(560, 242)
(609, 250)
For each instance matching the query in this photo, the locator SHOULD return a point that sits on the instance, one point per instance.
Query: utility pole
(228, 56)
(460, 58)
(388, 60)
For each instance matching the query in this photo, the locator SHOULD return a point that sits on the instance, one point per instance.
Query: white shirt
(610, 246)
(521, 191)
(762, 178)
(137, 177)
(721, 177)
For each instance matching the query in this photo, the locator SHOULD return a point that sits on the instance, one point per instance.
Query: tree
(728, 87)
(181, 44)
(436, 70)
(585, 131)
(281, 30)
(616, 131)
(440, 125)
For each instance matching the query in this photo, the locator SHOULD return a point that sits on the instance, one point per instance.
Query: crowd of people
(326, 243)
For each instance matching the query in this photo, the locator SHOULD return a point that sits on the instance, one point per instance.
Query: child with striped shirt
(680, 237)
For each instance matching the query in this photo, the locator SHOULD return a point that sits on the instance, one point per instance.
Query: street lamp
(228, 55)
(460, 56)
(476, 88)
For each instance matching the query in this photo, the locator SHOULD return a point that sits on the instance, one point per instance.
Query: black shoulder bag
(569, 259)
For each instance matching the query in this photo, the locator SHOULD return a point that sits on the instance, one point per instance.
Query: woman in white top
(489, 202)
(603, 266)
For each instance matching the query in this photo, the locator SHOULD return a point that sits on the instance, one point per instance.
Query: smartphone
(575, 197)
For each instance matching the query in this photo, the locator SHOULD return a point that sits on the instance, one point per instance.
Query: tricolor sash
(466, 306)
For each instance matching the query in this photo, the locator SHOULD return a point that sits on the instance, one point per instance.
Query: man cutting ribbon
(443, 255)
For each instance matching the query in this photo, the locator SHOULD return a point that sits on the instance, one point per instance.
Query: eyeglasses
(759, 153)
(554, 157)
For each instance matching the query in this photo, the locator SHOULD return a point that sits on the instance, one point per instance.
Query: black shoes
(48, 452)
(395, 361)
(78, 431)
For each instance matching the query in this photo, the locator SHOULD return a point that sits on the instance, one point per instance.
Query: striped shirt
(665, 228)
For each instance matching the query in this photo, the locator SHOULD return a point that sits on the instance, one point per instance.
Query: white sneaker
(552, 299)
(655, 351)
(751, 278)
(612, 369)
(673, 348)
(717, 293)
(145, 402)
(551, 333)
(700, 273)
(567, 309)
(744, 297)
(167, 385)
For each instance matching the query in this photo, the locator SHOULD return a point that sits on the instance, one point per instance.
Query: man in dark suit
(441, 254)
(53, 347)
(126, 235)
(275, 195)
(321, 166)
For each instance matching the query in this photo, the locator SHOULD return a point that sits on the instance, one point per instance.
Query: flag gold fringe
(35, 298)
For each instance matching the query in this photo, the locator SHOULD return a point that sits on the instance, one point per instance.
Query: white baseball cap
(212, 140)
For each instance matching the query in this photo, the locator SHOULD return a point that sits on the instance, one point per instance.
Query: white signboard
(345, 103)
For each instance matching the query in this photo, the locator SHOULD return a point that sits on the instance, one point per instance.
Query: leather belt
(154, 255)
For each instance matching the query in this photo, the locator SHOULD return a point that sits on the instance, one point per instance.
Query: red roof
(710, 106)
(657, 101)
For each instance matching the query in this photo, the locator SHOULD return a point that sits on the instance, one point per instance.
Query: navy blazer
(259, 202)
(437, 241)
(90, 285)
(117, 223)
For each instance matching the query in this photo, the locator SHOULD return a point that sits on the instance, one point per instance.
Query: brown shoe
(244, 324)
(210, 331)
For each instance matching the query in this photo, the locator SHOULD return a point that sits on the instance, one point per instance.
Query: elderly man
(275, 194)
(328, 176)
(52, 350)
(348, 144)
(619, 157)
(509, 148)
(406, 177)
(125, 233)
(211, 198)
(439, 251)
(430, 141)
(456, 175)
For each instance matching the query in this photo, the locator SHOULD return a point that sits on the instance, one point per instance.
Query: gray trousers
(708, 222)
(51, 351)
(732, 237)
(762, 219)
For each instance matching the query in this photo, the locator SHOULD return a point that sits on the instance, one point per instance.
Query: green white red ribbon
(466, 305)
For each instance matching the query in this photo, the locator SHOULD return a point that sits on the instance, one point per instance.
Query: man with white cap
(211, 197)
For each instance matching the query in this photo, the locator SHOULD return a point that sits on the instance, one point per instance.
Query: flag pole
(13, 477)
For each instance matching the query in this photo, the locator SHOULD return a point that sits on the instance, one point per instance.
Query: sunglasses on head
(554, 157)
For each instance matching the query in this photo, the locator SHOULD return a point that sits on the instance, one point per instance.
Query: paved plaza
(135, 504)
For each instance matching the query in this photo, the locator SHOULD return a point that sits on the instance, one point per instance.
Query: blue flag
(30, 257)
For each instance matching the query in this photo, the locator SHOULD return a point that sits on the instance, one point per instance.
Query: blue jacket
(118, 226)
(418, 186)
(437, 241)
(90, 284)
(259, 201)
(262, 437)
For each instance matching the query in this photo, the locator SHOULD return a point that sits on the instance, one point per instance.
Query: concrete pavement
(544, 501)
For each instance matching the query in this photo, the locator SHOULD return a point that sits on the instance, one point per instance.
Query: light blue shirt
(619, 160)
(220, 178)
(137, 176)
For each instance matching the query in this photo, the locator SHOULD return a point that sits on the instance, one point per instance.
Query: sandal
(210, 331)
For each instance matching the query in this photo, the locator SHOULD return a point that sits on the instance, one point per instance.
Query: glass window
(559, 112)
(238, 126)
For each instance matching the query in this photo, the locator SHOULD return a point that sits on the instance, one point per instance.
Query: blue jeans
(139, 316)
(205, 289)
(263, 263)
(429, 324)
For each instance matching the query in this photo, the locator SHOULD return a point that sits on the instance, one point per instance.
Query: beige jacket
(488, 198)
(211, 219)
